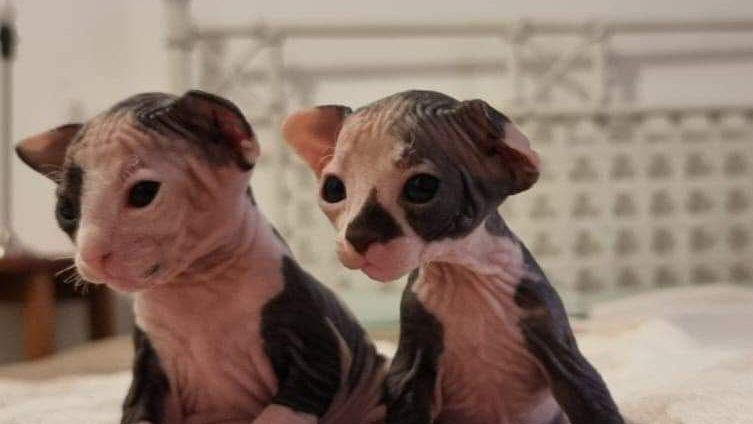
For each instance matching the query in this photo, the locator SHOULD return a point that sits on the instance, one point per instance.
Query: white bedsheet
(676, 356)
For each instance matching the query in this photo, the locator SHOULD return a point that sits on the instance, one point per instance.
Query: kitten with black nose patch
(229, 328)
(412, 184)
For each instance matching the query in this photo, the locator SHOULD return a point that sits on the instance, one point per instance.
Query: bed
(681, 355)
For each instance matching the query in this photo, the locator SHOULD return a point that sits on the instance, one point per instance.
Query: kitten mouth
(352, 261)
(381, 274)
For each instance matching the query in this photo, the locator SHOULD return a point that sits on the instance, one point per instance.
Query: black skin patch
(373, 224)
(575, 383)
(250, 195)
(213, 123)
(496, 226)
(560, 419)
(68, 207)
(463, 142)
(145, 401)
(279, 236)
(456, 211)
(304, 351)
(412, 378)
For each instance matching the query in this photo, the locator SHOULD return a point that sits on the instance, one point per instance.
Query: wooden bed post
(39, 315)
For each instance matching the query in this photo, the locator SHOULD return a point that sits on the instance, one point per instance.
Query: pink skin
(218, 267)
(481, 270)
(382, 262)
(202, 263)
(97, 262)
(134, 249)
(485, 372)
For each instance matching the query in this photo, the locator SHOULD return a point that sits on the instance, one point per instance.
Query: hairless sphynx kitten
(412, 184)
(229, 328)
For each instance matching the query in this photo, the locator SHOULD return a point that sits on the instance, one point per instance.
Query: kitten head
(148, 188)
(413, 170)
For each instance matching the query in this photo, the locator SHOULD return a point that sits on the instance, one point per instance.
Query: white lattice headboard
(641, 200)
(630, 198)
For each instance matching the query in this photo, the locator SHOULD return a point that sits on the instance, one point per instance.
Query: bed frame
(631, 198)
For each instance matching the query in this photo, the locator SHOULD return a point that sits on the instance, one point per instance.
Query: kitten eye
(142, 193)
(66, 210)
(333, 189)
(421, 188)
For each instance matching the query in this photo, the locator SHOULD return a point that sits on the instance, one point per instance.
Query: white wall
(75, 58)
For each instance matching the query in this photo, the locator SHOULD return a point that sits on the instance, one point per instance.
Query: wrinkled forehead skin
(112, 143)
(427, 127)
(135, 126)
(424, 131)
(367, 145)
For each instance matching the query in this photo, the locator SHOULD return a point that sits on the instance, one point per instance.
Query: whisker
(326, 158)
(61, 257)
(82, 285)
(72, 278)
(55, 174)
(64, 270)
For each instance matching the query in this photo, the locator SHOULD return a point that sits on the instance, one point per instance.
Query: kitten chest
(212, 353)
(486, 374)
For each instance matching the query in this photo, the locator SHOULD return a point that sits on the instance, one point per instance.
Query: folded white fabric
(681, 355)
(82, 399)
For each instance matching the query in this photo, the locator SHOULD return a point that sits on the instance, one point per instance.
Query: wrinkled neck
(490, 253)
(244, 255)
(230, 251)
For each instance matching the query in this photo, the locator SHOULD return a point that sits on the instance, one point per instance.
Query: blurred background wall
(76, 57)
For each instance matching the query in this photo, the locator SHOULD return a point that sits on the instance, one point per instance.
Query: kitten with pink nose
(412, 184)
(229, 328)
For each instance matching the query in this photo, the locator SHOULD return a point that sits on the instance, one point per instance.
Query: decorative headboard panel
(639, 200)
(630, 198)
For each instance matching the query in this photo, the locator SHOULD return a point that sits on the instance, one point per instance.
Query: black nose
(361, 237)
(373, 224)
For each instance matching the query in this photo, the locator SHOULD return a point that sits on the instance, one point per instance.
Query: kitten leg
(576, 385)
(414, 379)
(146, 399)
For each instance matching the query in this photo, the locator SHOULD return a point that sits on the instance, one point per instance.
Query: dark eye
(66, 210)
(333, 189)
(420, 188)
(142, 193)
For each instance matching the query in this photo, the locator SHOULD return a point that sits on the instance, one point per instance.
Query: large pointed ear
(217, 120)
(495, 133)
(45, 152)
(313, 133)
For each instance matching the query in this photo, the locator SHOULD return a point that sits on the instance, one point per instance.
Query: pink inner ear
(313, 133)
(46, 152)
(519, 142)
(228, 129)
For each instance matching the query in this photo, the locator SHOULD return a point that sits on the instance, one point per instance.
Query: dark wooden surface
(38, 284)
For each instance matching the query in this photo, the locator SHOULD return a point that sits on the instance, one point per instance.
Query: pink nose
(96, 258)
(349, 256)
